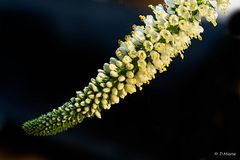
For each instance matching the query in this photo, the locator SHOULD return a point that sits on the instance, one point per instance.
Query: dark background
(50, 49)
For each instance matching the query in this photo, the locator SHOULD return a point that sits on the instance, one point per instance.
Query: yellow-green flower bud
(98, 114)
(109, 84)
(114, 74)
(130, 74)
(120, 86)
(121, 78)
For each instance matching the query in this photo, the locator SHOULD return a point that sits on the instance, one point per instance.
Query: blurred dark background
(50, 49)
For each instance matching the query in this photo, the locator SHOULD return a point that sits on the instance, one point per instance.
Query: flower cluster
(149, 49)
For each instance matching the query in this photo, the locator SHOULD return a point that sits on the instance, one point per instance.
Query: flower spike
(150, 48)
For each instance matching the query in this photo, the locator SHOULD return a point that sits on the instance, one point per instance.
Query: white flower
(129, 45)
(154, 55)
(191, 5)
(142, 55)
(164, 48)
(223, 4)
(197, 29)
(141, 64)
(183, 12)
(179, 2)
(121, 52)
(184, 25)
(173, 20)
(130, 88)
(131, 81)
(149, 20)
(132, 54)
(106, 67)
(212, 16)
(213, 3)
(158, 64)
(148, 46)
(170, 3)
(155, 37)
(151, 70)
(203, 9)
(138, 35)
(166, 60)
(166, 35)
(126, 59)
(141, 78)
(160, 13)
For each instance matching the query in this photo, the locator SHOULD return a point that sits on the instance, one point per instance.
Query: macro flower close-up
(172, 84)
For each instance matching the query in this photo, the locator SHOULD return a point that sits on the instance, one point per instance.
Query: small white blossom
(192, 5)
(132, 54)
(130, 88)
(121, 52)
(149, 20)
(148, 46)
(223, 5)
(141, 64)
(166, 35)
(203, 9)
(126, 59)
(139, 36)
(183, 12)
(173, 20)
(212, 16)
(142, 55)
